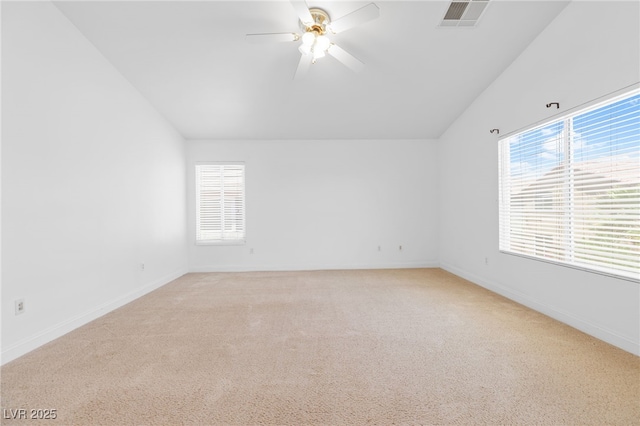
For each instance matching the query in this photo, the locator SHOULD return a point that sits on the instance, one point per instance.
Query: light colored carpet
(415, 346)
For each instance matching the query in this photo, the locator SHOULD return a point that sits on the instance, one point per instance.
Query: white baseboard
(311, 267)
(32, 342)
(586, 326)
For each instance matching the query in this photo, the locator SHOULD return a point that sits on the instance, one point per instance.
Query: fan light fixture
(314, 43)
(314, 40)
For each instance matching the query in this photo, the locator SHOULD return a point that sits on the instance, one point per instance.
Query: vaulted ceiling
(191, 61)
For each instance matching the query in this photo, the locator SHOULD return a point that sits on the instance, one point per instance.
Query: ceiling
(191, 61)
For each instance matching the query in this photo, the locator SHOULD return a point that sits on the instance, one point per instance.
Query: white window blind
(570, 189)
(220, 203)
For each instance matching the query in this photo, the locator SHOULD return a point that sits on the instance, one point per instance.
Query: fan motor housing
(320, 21)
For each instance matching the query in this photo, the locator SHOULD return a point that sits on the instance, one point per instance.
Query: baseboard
(311, 267)
(27, 345)
(586, 326)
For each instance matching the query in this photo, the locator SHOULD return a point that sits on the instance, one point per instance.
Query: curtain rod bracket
(553, 103)
(494, 131)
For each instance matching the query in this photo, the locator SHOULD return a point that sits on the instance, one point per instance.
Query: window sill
(221, 243)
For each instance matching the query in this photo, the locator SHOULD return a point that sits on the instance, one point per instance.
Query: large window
(570, 189)
(220, 203)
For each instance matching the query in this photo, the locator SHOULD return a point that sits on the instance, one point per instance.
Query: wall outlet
(19, 306)
(400, 248)
(142, 266)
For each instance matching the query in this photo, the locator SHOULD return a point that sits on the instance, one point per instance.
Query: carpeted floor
(415, 346)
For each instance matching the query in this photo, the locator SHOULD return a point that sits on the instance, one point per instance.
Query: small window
(220, 201)
(570, 189)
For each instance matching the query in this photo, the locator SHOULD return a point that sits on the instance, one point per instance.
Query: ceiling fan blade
(271, 37)
(346, 58)
(303, 67)
(357, 17)
(302, 10)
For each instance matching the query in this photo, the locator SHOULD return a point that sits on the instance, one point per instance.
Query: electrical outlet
(400, 248)
(19, 306)
(142, 266)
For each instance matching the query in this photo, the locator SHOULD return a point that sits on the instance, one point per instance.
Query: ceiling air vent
(463, 13)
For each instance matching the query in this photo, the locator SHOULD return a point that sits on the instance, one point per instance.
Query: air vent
(463, 13)
(456, 9)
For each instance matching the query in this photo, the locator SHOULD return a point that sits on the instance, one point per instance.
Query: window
(570, 189)
(220, 203)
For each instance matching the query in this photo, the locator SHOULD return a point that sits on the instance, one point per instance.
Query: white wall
(590, 50)
(93, 182)
(326, 204)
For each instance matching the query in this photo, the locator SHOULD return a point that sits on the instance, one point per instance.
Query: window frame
(198, 230)
(569, 166)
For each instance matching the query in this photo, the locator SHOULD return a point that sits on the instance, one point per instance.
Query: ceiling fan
(316, 24)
